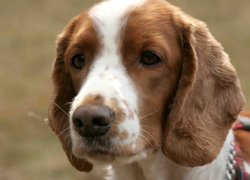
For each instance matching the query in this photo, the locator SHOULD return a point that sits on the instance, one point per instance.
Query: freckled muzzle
(103, 115)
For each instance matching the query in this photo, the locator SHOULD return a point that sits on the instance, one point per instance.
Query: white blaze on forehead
(108, 17)
(107, 76)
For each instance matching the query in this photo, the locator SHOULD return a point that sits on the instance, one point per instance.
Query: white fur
(109, 79)
(158, 167)
(247, 166)
(107, 76)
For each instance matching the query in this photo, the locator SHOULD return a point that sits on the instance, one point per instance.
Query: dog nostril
(92, 121)
(100, 122)
(78, 123)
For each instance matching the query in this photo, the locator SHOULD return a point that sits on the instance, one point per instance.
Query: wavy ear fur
(208, 98)
(62, 96)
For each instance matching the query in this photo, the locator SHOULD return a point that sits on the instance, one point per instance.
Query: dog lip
(99, 153)
(103, 149)
(100, 145)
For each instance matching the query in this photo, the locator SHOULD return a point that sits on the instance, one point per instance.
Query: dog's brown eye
(149, 58)
(78, 61)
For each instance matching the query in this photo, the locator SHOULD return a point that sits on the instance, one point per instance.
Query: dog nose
(92, 121)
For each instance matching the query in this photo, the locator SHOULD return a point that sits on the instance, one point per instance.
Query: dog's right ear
(63, 94)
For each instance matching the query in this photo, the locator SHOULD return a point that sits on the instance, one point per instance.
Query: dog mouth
(104, 150)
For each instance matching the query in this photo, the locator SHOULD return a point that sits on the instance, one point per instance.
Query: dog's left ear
(207, 101)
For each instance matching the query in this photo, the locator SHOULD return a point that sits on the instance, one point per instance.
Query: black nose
(92, 121)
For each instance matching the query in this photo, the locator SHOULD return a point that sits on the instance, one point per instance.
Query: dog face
(135, 77)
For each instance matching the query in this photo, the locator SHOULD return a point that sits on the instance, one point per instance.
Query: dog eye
(78, 61)
(149, 59)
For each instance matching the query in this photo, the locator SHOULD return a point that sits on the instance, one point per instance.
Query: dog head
(134, 77)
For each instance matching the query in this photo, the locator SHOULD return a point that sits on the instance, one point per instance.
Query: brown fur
(64, 92)
(208, 98)
(186, 104)
(155, 85)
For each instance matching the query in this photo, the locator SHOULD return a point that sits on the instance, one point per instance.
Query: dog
(143, 91)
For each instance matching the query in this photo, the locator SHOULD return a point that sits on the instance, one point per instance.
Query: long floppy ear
(207, 101)
(62, 96)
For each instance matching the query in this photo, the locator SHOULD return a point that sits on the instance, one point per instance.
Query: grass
(29, 150)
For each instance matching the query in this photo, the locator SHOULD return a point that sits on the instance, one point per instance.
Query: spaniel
(143, 91)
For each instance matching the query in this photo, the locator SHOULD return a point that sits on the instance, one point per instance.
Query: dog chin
(104, 155)
(111, 159)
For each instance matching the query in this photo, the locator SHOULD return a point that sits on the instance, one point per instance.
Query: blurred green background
(28, 148)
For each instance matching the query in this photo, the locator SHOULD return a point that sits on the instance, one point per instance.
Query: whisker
(148, 127)
(147, 140)
(60, 108)
(149, 135)
(37, 117)
(63, 131)
(68, 145)
(121, 149)
(68, 103)
(150, 114)
(69, 140)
